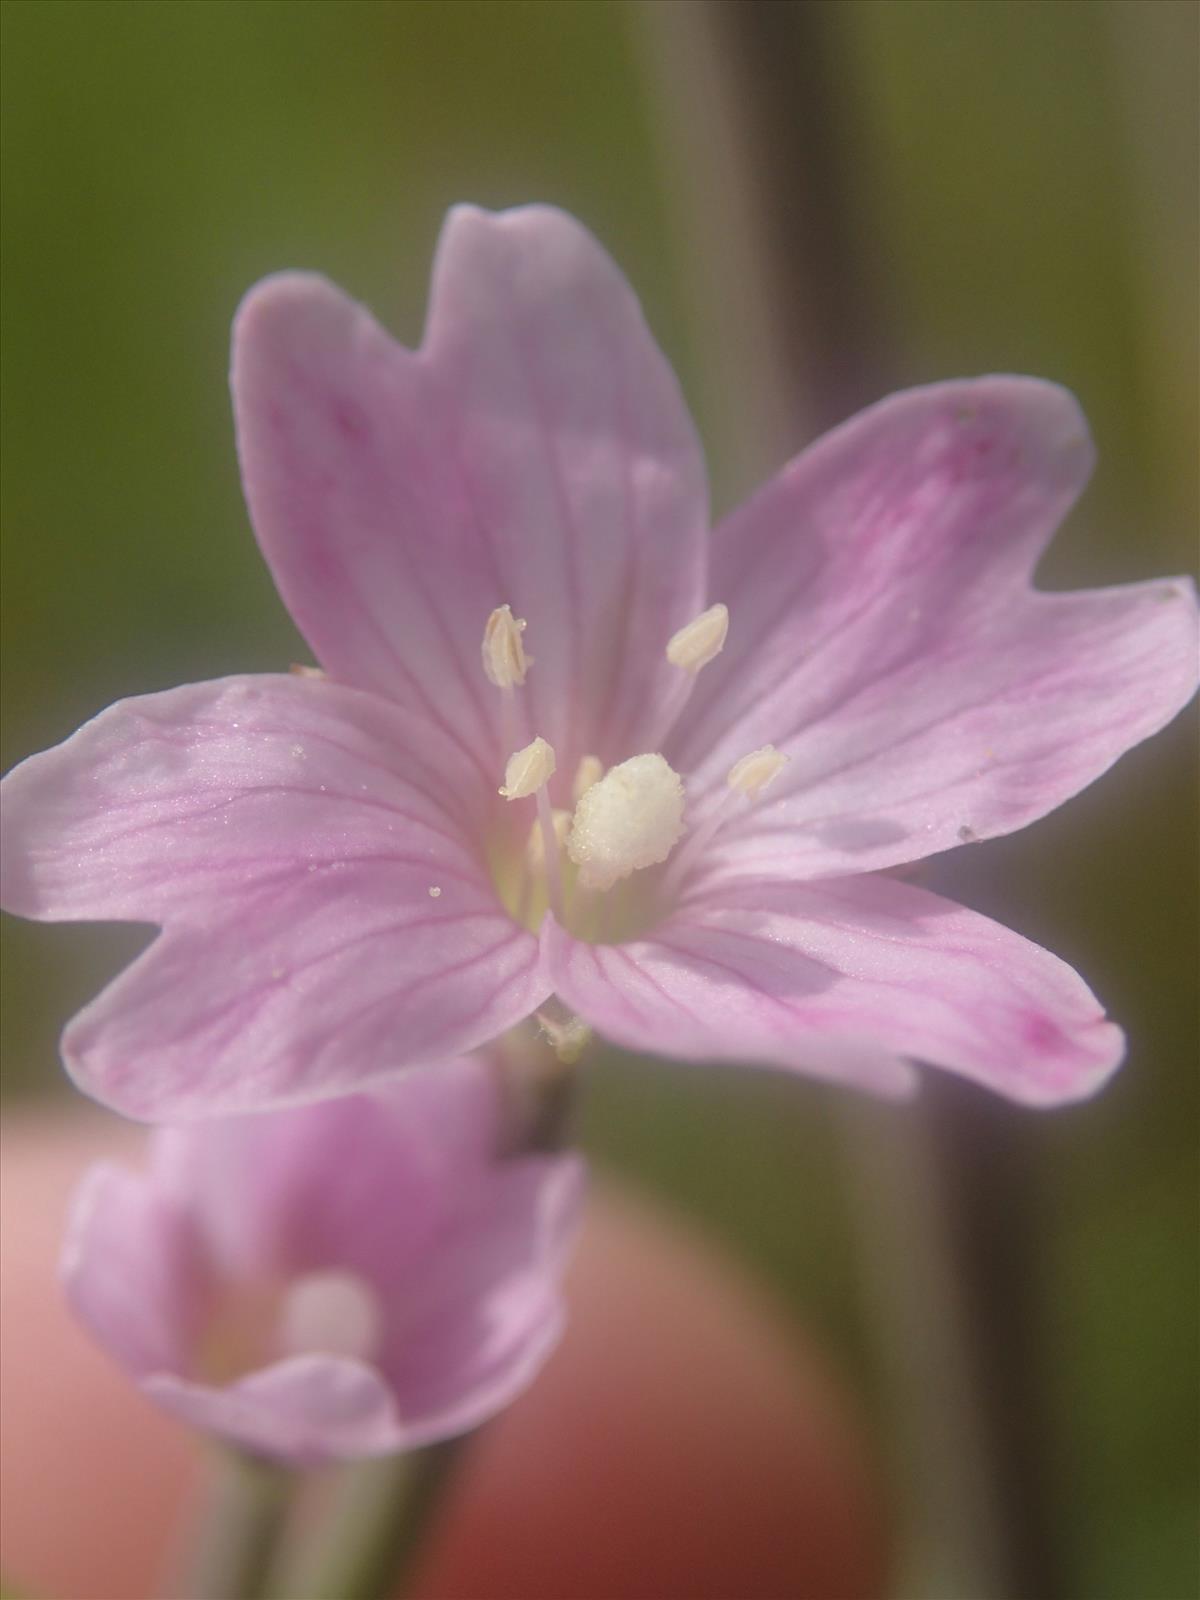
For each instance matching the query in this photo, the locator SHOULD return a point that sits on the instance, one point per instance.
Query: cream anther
(757, 770)
(535, 845)
(330, 1313)
(695, 645)
(528, 770)
(632, 818)
(567, 1039)
(504, 658)
(589, 771)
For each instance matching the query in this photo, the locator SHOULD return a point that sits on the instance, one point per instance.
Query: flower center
(583, 865)
(319, 1313)
(332, 1314)
(631, 818)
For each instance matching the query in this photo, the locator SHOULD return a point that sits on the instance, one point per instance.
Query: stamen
(747, 777)
(528, 771)
(554, 888)
(757, 770)
(535, 845)
(330, 1313)
(589, 771)
(567, 1039)
(631, 818)
(695, 645)
(504, 658)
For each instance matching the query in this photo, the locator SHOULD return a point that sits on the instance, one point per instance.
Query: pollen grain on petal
(695, 645)
(631, 819)
(528, 770)
(504, 658)
(757, 770)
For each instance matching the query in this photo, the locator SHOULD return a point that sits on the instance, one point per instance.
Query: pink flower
(341, 888)
(339, 1280)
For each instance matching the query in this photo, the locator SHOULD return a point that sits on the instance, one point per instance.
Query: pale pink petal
(174, 804)
(885, 636)
(311, 987)
(287, 832)
(130, 1270)
(361, 1182)
(474, 1327)
(848, 978)
(536, 453)
(305, 1410)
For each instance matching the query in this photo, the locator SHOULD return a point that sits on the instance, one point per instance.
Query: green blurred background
(1023, 184)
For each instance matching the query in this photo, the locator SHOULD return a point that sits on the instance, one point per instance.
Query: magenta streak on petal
(324, 797)
(609, 736)
(847, 978)
(833, 1018)
(923, 691)
(856, 480)
(416, 682)
(647, 978)
(282, 1038)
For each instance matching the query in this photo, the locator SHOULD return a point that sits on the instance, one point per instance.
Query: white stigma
(695, 645)
(528, 770)
(589, 771)
(330, 1313)
(631, 818)
(757, 770)
(504, 658)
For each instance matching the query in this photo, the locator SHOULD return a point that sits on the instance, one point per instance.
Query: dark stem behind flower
(766, 146)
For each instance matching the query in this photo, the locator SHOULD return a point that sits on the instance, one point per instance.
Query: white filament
(535, 845)
(589, 771)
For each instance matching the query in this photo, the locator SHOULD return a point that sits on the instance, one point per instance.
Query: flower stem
(388, 1509)
(241, 1529)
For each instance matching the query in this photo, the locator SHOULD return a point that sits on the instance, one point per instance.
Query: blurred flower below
(349, 1279)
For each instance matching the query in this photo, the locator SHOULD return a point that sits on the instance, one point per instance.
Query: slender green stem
(240, 1531)
(389, 1507)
